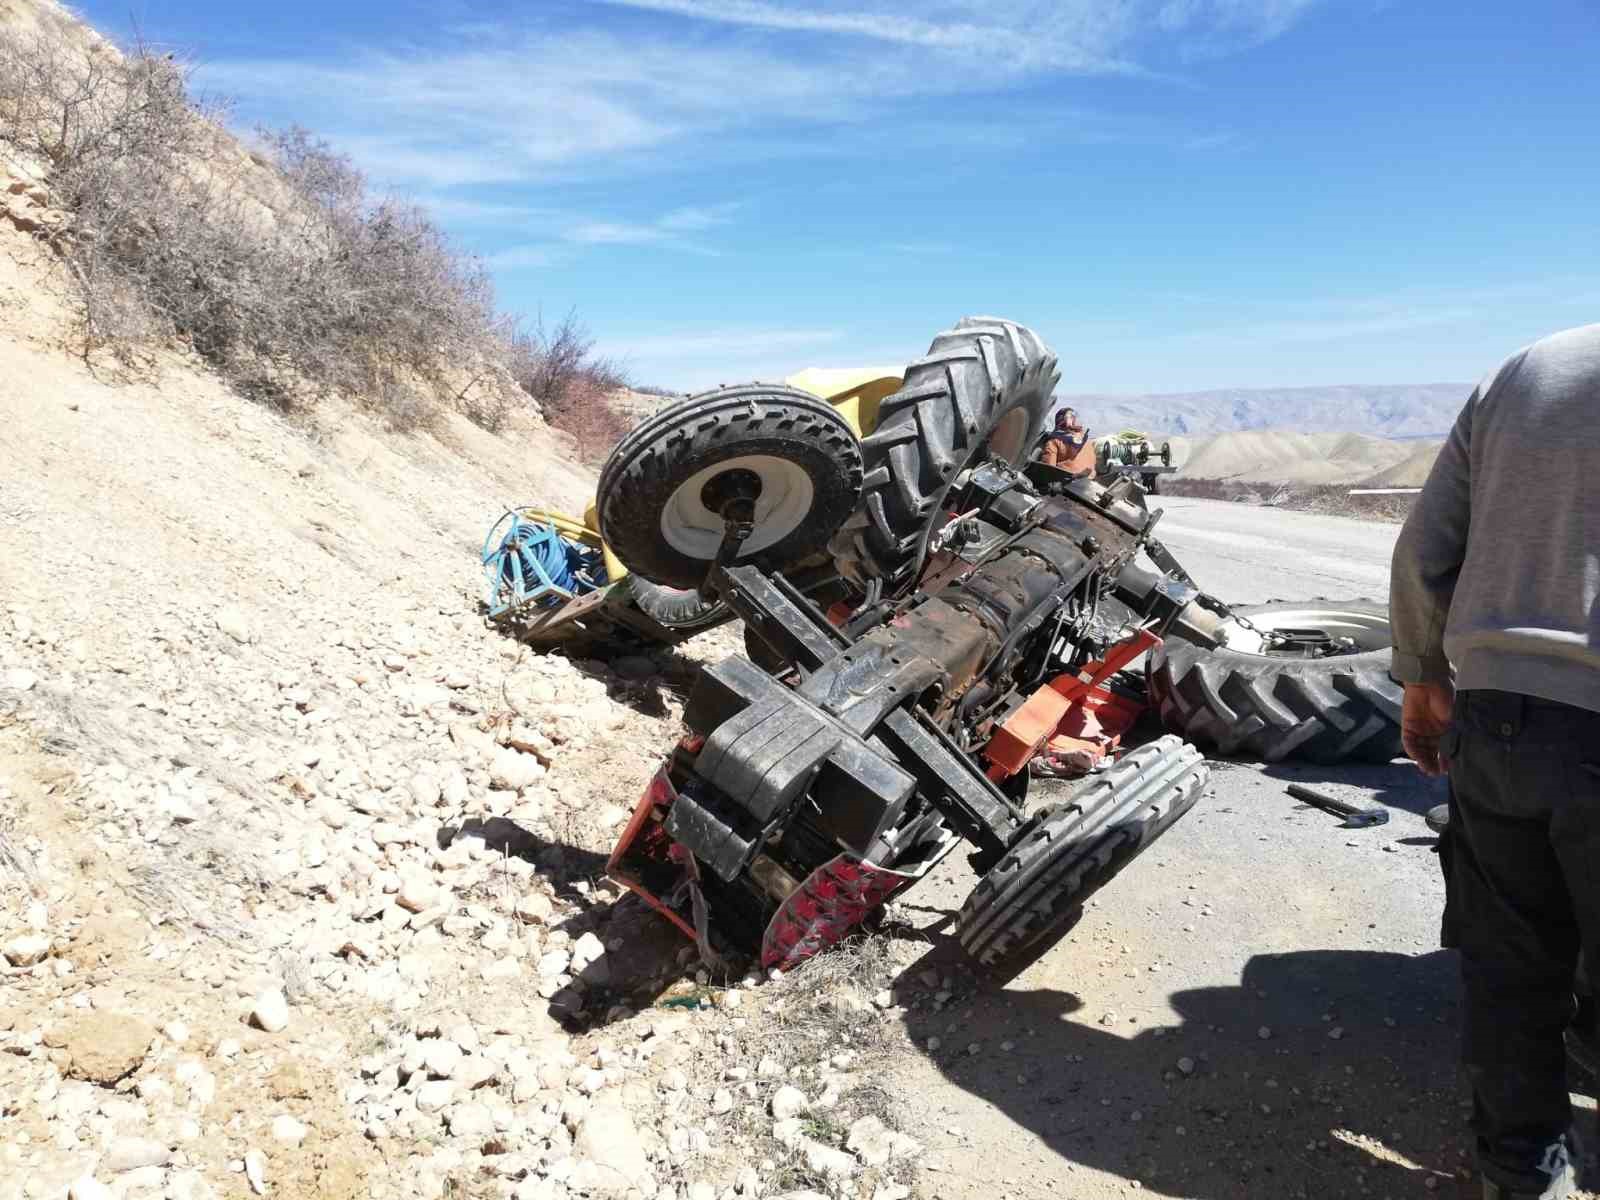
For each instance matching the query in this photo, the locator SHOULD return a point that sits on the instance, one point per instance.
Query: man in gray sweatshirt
(1495, 603)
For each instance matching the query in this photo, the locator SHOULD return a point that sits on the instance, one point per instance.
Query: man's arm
(1051, 457)
(1428, 557)
(1422, 580)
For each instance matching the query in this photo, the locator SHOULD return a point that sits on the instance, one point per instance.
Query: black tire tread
(1024, 904)
(1327, 710)
(676, 608)
(948, 404)
(647, 464)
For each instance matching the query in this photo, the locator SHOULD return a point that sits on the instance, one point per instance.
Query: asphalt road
(1247, 554)
(1291, 965)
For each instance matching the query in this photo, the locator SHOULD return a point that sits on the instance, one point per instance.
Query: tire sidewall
(633, 492)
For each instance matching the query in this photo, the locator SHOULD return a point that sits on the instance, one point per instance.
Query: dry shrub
(572, 386)
(293, 281)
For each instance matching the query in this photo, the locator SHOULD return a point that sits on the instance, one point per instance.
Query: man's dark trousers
(1524, 898)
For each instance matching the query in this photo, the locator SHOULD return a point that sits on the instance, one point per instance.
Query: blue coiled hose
(531, 563)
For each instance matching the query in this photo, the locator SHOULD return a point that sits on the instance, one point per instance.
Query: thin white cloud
(696, 359)
(1224, 140)
(499, 104)
(1078, 36)
(517, 258)
(994, 39)
(920, 249)
(671, 230)
(1362, 318)
(463, 210)
(523, 109)
(696, 218)
(1206, 28)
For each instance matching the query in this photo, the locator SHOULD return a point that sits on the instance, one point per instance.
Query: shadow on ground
(1393, 785)
(643, 681)
(1396, 784)
(645, 954)
(637, 674)
(562, 866)
(1373, 1111)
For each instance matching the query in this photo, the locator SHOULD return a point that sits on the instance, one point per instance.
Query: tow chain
(1268, 637)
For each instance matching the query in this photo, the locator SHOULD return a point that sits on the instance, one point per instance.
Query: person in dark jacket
(1495, 606)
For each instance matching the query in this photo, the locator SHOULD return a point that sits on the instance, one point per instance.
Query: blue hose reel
(529, 563)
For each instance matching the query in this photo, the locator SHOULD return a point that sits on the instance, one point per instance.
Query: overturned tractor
(925, 611)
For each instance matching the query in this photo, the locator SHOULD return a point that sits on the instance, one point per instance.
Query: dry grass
(1332, 499)
(283, 269)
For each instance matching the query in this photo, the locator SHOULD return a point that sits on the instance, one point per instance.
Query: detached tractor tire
(1335, 709)
(983, 390)
(676, 608)
(656, 488)
(1035, 894)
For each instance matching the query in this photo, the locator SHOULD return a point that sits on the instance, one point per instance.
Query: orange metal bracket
(1028, 729)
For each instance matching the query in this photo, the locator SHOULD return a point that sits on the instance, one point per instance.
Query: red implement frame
(645, 843)
(1028, 730)
(834, 899)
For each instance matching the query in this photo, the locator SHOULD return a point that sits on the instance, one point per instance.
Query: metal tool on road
(1354, 817)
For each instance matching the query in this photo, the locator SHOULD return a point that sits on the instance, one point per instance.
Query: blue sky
(1179, 194)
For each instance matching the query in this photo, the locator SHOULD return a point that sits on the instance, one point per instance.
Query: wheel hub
(779, 494)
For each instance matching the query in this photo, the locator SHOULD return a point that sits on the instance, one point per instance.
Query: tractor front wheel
(1035, 894)
(661, 491)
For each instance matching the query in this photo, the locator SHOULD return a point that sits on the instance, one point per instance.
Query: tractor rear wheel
(1243, 699)
(982, 391)
(1035, 894)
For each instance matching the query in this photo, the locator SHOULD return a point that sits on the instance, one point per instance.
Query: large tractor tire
(1035, 894)
(1334, 709)
(982, 391)
(657, 489)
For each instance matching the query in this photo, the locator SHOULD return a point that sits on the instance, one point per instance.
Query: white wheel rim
(786, 497)
(1369, 631)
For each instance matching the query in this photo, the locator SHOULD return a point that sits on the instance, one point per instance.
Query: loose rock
(875, 1144)
(131, 1153)
(27, 950)
(102, 1047)
(288, 1130)
(270, 1012)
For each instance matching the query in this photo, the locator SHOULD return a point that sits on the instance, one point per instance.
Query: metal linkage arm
(780, 615)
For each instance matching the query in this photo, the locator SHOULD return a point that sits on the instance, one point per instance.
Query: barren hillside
(1275, 456)
(300, 863)
(1410, 471)
(1380, 410)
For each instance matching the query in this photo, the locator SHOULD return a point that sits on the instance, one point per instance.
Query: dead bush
(292, 281)
(572, 385)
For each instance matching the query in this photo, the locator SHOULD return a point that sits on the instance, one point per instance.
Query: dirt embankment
(301, 866)
(1280, 457)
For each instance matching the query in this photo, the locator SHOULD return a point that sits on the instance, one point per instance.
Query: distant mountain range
(1385, 410)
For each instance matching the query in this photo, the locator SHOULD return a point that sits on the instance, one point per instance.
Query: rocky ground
(301, 865)
(302, 874)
